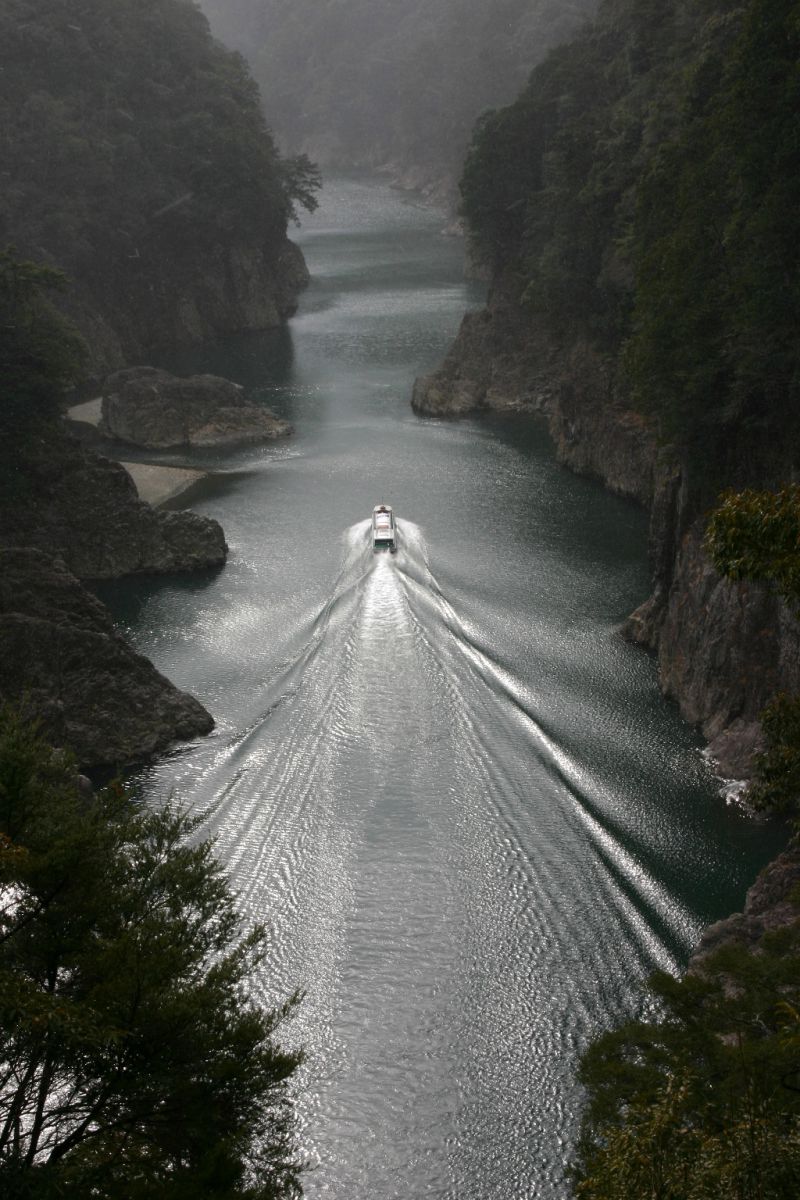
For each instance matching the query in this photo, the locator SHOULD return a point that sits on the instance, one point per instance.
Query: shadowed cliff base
(64, 662)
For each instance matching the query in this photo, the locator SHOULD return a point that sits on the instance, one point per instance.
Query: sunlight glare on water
(454, 794)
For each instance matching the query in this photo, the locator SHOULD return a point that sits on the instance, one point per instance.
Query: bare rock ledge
(65, 663)
(147, 407)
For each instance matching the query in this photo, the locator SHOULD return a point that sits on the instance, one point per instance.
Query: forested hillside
(637, 207)
(645, 188)
(136, 157)
(380, 83)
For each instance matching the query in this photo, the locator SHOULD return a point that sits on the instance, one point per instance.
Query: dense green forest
(644, 188)
(377, 82)
(134, 148)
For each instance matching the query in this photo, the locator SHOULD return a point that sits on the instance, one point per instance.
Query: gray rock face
(723, 649)
(503, 360)
(596, 433)
(63, 659)
(771, 904)
(150, 408)
(74, 505)
(498, 361)
(178, 302)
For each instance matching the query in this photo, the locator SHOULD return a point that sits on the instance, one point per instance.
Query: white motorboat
(384, 534)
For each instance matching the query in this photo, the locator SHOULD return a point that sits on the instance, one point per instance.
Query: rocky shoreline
(66, 666)
(155, 410)
(69, 515)
(723, 649)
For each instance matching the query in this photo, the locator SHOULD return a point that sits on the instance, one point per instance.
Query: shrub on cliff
(704, 1103)
(133, 1062)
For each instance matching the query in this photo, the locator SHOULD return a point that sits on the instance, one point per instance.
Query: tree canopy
(643, 190)
(134, 147)
(133, 1061)
(704, 1102)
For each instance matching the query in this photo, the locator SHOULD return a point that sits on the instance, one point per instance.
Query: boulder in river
(65, 662)
(147, 407)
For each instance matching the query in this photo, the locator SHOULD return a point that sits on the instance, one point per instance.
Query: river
(451, 790)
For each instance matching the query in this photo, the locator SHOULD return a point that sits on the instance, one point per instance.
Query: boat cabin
(384, 535)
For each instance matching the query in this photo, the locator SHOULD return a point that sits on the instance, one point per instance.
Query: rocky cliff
(66, 501)
(723, 649)
(162, 302)
(147, 173)
(65, 664)
(773, 902)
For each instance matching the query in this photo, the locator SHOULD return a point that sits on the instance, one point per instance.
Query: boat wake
(426, 848)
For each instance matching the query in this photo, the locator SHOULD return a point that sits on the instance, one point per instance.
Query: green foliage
(133, 1062)
(41, 354)
(714, 348)
(704, 1103)
(567, 165)
(776, 786)
(301, 181)
(134, 147)
(644, 190)
(756, 535)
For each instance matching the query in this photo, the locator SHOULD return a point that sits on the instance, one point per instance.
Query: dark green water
(453, 792)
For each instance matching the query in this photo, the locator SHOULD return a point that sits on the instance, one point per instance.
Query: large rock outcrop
(772, 903)
(496, 362)
(64, 661)
(70, 503)
(503, 359)
(147, 407)
(724, 650)
(235, 289)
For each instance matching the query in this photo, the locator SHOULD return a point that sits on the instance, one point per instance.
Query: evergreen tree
(133, 1061)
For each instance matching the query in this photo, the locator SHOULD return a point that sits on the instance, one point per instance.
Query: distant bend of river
(450, 789)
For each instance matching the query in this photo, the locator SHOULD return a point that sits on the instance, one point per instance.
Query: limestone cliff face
(64, 662)
(496, 362)
(723, 649)
(503, 359)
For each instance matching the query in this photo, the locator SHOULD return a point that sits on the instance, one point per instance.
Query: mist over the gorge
(377, 83)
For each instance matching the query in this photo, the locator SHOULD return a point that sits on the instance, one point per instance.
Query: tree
(133, 1062)
(755, 535)
(41, 354)
(705, 1103)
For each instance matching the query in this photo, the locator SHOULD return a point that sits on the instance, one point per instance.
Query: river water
(452, 791)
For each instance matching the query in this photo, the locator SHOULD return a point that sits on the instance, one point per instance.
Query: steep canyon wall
(723, 648)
